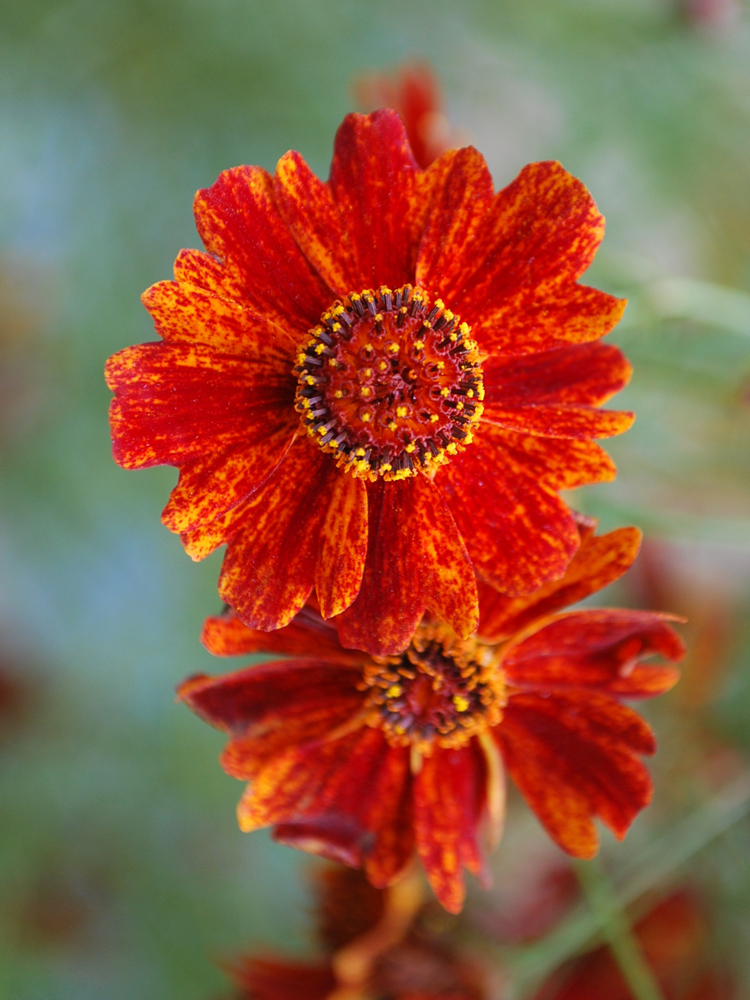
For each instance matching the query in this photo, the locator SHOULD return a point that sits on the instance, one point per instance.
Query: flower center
(442, 690)
(389, 383)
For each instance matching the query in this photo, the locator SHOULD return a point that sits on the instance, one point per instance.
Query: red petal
(341, 560)
(239, 222)
(460, 197)
(307, 633)
(415, 559)
(176, 402)
(599, 650)
(349, 799)
(450, 795)
(587, 374)
(555, 463)
(313, 219)
(187, 313)
(373, 185)
(269, 567)
(273, 706)
(573, 756)
(597, 563)
(517, 533)
(560, 421)
(539, 236)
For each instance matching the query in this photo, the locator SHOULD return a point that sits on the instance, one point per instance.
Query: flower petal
(415, 560)
(555, 463)
(188, 314)
(460, 197)
(539, 236)
(208, 487)
(517, 533)
(269, 567)
(390, 604)
(273, 706)
(341, 560)
(450, 798)
(178, 402)
(307, 633)
(598, 562)
(372, 182)
(573, 757)
(560, 421)
(239, 222)
(310, 212)
(347, 798)
(587, 374)
(599, 650)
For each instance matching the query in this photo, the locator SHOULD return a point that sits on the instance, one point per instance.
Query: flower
(377, 945)
(363, 759)
(336, 421)
(413, 90)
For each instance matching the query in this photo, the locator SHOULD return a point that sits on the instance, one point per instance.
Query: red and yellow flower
(375, 387)
(364, 759)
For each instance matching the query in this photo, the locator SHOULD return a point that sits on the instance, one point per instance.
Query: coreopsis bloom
(375, 387)
(364, 759)
(376, 946)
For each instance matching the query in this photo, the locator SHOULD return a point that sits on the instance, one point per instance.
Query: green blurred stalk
(617, 931)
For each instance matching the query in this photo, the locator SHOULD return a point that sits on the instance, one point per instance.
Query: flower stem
(617, 932)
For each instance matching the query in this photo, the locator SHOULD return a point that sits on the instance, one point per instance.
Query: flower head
(364, 759)
(375, 387)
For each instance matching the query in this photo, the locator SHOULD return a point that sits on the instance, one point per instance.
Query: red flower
(363, 759)
(373, 444)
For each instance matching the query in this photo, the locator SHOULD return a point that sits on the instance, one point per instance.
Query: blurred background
(124, 875)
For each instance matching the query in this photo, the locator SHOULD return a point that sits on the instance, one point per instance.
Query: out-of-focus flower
(376, 947)
(363, 759)
(338, 424)
(711, 14)
(413, 90)
(673, 938)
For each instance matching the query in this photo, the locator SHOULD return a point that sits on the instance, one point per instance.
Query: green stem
(617, 932)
